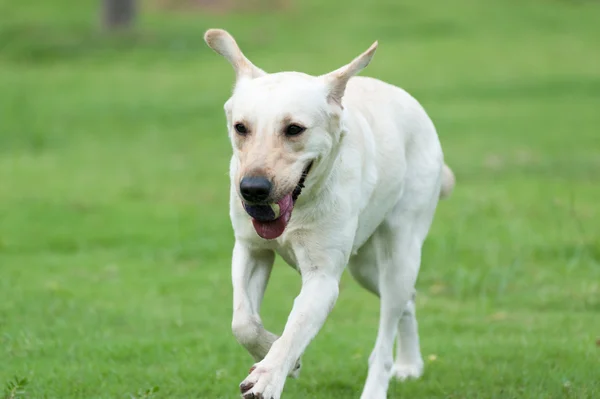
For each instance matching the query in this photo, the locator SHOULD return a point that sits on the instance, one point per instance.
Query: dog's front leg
(250, 273)
(320, 286)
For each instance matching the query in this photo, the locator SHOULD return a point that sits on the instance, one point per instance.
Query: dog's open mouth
(270, 220)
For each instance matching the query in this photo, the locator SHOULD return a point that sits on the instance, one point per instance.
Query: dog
(329, 172)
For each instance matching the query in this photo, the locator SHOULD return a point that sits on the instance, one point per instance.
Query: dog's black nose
(255, 188)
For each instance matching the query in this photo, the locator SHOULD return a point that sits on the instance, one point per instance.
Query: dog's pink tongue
(275, 228)
(270, 230)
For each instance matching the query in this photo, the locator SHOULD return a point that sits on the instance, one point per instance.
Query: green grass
(115, 240)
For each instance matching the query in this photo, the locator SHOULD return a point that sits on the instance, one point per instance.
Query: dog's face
(281, 126)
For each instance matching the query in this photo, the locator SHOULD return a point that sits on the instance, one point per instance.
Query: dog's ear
(223, 43)
(336, 81)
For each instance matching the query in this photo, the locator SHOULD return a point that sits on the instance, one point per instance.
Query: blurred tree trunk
(118, 14)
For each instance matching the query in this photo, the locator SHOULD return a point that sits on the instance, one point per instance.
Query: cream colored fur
(370, 198)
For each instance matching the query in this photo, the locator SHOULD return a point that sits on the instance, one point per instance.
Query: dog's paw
(405, 371)
(263, 383)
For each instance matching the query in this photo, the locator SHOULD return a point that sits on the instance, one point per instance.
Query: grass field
(114, 233)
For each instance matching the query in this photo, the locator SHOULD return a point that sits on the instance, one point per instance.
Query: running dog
(327, 171)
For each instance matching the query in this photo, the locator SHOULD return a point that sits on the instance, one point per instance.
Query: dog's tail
(448, 182)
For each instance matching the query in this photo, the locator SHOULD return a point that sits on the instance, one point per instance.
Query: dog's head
(284, 127)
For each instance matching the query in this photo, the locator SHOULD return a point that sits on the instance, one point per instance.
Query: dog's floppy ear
(336, 81)
(223, 43)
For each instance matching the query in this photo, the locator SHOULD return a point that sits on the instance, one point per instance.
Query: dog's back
(400, 151)
(399, 123)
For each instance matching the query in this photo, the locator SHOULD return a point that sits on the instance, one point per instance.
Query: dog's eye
(241, 129)
(294, 130)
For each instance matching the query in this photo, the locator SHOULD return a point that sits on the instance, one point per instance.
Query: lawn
(115, 240)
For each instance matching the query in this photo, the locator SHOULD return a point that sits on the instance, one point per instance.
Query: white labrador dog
(327, 171)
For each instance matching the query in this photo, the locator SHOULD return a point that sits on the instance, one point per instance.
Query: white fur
(368, 204)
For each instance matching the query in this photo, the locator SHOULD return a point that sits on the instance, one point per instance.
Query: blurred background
(115, 239)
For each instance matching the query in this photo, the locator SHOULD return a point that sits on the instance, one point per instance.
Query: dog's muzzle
(270, 220)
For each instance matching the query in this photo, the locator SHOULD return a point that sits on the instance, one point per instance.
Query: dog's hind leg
(398, 242)
(398, 257)
(409, 362)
